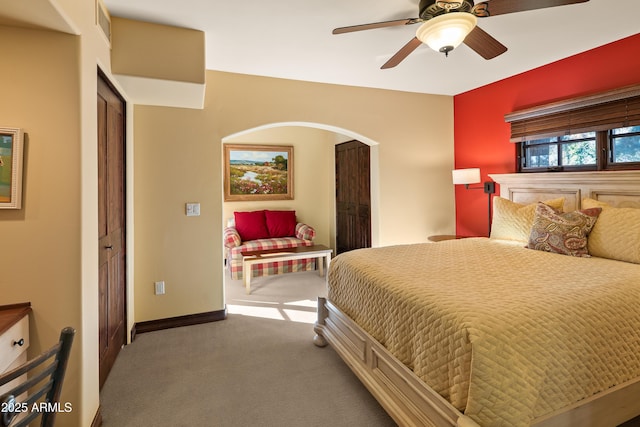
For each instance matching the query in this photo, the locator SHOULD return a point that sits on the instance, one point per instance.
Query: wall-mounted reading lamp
(472, 176)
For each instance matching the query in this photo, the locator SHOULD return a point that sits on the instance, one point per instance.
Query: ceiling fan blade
(501, 7)
(402, 53)
(375, 25)
(484, 44)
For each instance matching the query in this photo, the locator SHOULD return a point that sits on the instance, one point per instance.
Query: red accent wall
(482, 137)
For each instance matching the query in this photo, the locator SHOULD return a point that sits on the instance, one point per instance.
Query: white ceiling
(292, 39)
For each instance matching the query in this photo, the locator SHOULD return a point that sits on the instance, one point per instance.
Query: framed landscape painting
(11, 146)
(258, 172)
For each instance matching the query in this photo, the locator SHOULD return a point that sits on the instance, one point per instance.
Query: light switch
(193, 209)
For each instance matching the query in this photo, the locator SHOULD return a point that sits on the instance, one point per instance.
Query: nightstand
(441, 237)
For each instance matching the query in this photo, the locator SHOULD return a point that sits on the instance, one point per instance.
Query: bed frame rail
(401, 393)
(411, 403)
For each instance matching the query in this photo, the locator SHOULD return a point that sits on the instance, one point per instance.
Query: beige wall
(143, 49)
(41, 252)
(178, 159)
(414, 133)
(49, 88)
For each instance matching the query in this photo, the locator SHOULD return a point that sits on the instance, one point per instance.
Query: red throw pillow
(281, 223)
(251, 225)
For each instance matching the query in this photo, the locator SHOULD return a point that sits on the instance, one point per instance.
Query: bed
(485, 332)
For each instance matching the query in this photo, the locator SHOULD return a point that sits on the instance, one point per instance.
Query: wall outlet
(159, 288)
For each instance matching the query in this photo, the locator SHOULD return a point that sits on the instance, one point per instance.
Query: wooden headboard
(617, 188)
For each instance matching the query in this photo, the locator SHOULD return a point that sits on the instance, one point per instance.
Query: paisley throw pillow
(562, 233)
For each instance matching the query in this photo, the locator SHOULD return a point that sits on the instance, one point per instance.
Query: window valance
(612, 109)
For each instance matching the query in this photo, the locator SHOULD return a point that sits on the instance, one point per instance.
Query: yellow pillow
(513, 221)
(616, 234)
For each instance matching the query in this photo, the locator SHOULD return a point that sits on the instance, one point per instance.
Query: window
(577, 150)
(580, 151)
(625, 145)
(597, 132)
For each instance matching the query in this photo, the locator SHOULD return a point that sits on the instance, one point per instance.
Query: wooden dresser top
(11, 314)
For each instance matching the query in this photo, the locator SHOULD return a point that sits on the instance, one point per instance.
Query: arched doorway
(338, 135)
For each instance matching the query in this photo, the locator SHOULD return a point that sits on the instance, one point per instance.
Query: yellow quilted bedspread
(506, 334)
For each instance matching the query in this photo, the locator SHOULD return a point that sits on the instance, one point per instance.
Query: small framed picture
(258, 172)
(11, 148)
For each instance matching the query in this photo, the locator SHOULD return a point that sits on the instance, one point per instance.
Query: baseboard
(97, 420)
(176, 322)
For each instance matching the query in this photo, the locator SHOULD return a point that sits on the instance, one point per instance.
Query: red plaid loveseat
(266, 229)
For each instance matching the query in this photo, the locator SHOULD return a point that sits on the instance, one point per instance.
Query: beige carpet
(257, 368)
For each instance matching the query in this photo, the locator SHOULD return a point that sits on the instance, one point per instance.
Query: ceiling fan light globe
(446, 32)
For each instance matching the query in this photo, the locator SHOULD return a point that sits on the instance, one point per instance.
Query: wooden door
(111, 221)
(353, 196)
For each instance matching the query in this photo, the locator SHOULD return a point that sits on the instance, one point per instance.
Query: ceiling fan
(448, 23)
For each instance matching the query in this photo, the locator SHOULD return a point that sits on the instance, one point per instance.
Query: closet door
(111, 222)
(353, 196)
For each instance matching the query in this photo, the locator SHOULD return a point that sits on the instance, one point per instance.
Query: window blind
(613, 109)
